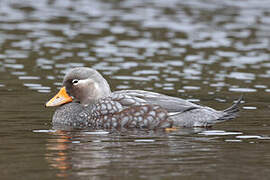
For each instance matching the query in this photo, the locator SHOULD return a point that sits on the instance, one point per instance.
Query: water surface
(209, 52)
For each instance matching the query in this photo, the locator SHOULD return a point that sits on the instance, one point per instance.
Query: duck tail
(232, 112)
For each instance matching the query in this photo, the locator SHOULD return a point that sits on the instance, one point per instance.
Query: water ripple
(219, 133)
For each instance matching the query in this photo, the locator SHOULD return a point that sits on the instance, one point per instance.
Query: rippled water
(209, 52)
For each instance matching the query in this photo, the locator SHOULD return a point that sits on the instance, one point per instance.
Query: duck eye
(75, 81)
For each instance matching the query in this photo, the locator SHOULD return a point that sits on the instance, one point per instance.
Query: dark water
(207, 51)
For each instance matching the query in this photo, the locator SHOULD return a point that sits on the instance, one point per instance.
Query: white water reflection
(208, 52)
(238, 89)
(219, 133)
(253, 137)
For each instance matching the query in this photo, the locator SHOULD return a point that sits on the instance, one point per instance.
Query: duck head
(83, 85)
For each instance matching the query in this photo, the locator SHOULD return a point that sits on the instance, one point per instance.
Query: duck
(86, 101)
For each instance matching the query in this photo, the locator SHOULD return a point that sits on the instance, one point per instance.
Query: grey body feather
(177, 112)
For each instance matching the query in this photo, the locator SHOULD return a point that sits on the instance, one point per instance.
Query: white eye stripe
(75, 81)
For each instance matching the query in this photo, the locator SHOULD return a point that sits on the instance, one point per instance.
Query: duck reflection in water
(78, 154)
(86, 100)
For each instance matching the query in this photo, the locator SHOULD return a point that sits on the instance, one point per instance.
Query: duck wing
(171, 104)
(184, 113)
(124, 111)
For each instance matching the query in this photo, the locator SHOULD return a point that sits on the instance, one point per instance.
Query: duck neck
(100, 90)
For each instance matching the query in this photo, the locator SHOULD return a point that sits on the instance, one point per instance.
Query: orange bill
(60, 98)
(172, 129)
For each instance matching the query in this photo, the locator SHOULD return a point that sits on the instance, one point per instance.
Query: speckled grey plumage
(124, 109)
(97, 107)
(116, 111)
